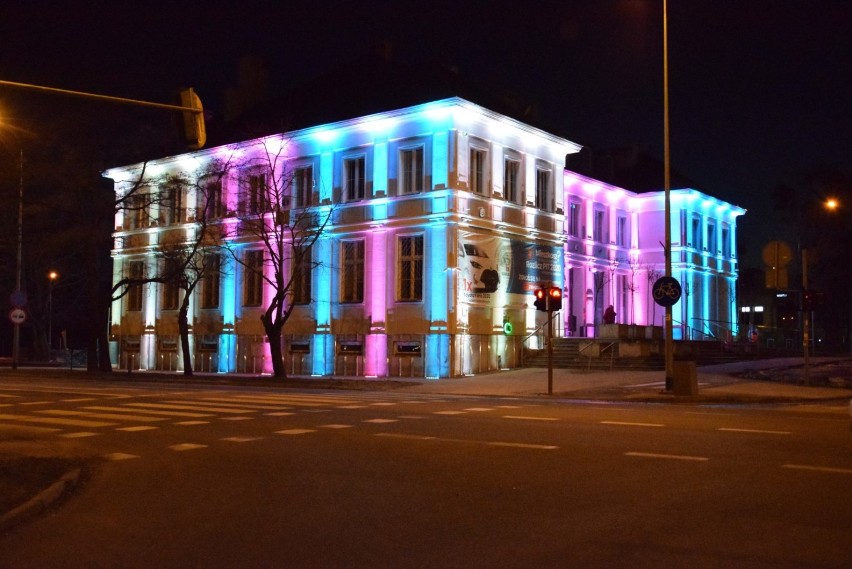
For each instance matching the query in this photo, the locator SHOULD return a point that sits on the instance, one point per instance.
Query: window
(477, 170)
(135, 271)
(210, 281)
(352, 259)
(170, 288)
(574, 219)
(354, 181)
(136, 210)
(621, 231)
(711, 238)
(411, 268)
(511, 179)
(253, 278)
(210, 201)
(254, 193)
(411, 170)
(696, 232)
(172, 210)
(542, 190)
(726, 241)
(598, 227)
(303, 186)
(302, 277)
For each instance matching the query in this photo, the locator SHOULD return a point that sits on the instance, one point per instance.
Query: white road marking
(280, 414)
(758, 431)
(187, 446)
(383, 404)
(235, 418)
(523, 445)
(667, 456)
(27, 429)
(241, 439)
(335, 426)
(479, 409)
(629, 424)
(467, 441)
(109, 416)
(36, 403)
(448, 413)
(827, 469)
(530, 418)
(190, 407)
(78, 435)
(351, 407)
(380, 421)
(189, 423)
(296, 431)
(56, 421)
(79, 399)
(149, 411)
(136, 429)
(509, 406)
(242, 404)
(119, 456)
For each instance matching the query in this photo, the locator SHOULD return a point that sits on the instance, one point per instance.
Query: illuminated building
(444, 217)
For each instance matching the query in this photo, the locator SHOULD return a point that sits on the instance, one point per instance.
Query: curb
(41, 501)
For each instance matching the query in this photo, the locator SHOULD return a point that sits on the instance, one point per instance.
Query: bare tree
(189, 256)
(278, 210)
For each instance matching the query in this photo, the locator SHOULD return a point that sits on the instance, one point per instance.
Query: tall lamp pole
(52, 276)
(669, 339)
(16, 332)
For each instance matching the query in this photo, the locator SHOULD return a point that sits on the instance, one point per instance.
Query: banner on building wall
(492, 266)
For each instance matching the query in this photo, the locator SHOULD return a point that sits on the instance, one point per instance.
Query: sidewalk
(719, 383)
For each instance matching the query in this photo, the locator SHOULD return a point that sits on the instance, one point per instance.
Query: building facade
(436, 223)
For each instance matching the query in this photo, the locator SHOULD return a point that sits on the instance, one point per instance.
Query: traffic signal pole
(550, 353)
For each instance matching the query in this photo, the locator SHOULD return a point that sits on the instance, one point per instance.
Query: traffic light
(554, 294)
(540, 300)
(191, 123)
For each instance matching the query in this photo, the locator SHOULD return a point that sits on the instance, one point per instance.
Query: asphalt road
(240, 477)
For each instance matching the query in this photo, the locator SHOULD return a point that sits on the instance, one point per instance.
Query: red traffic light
(555, 301)
(540, 302)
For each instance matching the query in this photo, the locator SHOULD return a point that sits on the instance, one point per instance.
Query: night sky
(759, 90)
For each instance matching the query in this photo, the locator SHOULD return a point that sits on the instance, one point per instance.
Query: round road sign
(17, 316)
(666, 291)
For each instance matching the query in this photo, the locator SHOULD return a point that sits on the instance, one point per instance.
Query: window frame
(512, 184)
(352, 265)
(543, 191)
(252, 281)
(412, 178)
(135, 270)
(303, 185)
(478, 169)
(211, 281)
(302, 278)
(410, 268)
(354, 187)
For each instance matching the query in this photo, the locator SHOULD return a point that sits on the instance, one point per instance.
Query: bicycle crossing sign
(666, 291)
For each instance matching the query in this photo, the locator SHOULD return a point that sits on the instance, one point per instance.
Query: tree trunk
(273, 334)
(183, 327)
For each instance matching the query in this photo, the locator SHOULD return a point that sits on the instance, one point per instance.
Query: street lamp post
(52, 276)
(16, 332)
(669, 336)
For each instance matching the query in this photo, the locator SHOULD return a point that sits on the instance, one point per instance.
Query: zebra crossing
(136, 415)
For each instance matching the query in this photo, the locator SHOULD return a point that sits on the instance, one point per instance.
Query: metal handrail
(536, 331)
